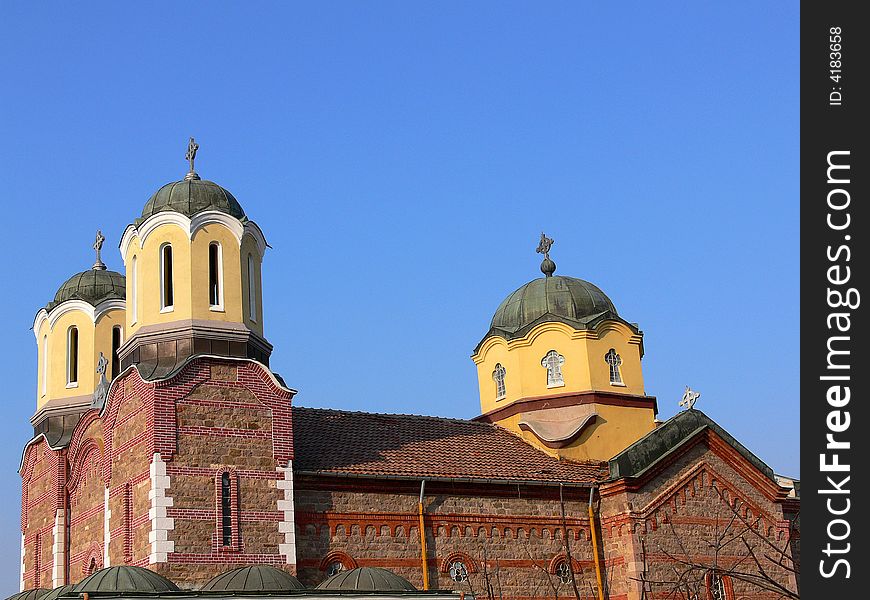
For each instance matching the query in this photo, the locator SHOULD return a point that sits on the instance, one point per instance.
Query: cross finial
(98, 245)
(192, 147)
(548, 267)
(689, 398)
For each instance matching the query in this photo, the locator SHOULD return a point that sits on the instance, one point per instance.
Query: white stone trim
(287, 525)
(107, 533)
(57, 549)
(161, 525)
(21, 578)
(94, 312)
(190, 227)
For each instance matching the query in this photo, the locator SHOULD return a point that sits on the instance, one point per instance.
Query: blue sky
(402, 160)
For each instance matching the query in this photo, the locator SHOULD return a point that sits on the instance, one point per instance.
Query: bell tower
(193, 263)
(561, 368)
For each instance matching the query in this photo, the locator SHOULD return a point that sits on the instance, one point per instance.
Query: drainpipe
(423, 537)
(595, 545)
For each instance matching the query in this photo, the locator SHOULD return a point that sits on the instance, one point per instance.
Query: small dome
(59, 591)
(257, 578)
(192, 196)
(125, 579)
(564, 299)
(367, 579)
(29, 594)
(93, 286)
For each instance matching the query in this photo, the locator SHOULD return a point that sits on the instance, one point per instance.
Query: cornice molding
(190, 226)
(94, 312)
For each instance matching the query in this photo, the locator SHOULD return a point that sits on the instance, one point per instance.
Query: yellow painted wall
(616, 428)
(93, 339)
(584, 368)
(190, 277)
(249, 247)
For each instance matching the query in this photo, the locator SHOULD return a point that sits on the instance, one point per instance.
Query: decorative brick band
(161, 525)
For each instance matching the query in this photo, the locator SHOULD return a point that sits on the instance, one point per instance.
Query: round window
(334, 568)
(563, 572)
(458, 571)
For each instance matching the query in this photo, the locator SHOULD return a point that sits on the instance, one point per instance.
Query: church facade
(163, 439)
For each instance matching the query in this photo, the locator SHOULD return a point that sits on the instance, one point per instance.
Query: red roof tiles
(416, 446)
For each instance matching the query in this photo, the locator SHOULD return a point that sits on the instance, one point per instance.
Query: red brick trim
(470, 564)
(726, 581)
(94, 553)
(346, 560)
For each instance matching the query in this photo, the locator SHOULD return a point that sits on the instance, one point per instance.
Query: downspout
(423, 537)
(595, 545)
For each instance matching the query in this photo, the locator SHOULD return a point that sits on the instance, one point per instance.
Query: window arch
(44, 382)
(553, 362)
(718, 586)
(498, 375)
(215, 276)
(72, 356)
(457, 566)
(337, 561)
(134, 291)
(252, 290)
(614, 361)
(167, 293)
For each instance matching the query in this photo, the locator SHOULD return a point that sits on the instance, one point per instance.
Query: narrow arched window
(116, 345)
(553, 362)
(614, 361)
(252, 289)
(215, 276)
(72, 356)
(134, 292)
(167, 300)
(498, 376)
(44, 364)
(226, 511)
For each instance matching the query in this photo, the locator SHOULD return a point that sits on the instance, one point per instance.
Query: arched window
(563, 572)
(167, 296)
(116, 344)
(134, 292)
(92, 567)
(498, 376)
(718, 586)
(72, 357)
(215, 276)
(44, 364)
(226, 510)
(252, 290)
(458, 571)
(614, 361)
(334, 568)
(553, 362)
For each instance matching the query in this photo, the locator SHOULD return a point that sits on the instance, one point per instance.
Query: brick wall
(42, 476)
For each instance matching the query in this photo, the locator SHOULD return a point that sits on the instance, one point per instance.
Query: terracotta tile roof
(337, 441)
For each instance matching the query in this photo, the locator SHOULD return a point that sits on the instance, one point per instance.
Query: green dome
(29, 594)
(93, 286)
(192, 196)
(564, 299)
(257, 578)
(58, 592)
(367, 579)
(125, 579)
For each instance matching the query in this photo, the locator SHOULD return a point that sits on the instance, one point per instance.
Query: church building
(164, 440)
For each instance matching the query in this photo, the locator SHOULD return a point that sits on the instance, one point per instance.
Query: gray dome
(367, 579)
(564, 299)
(29, 594)
(59, 591)
(93, 286)
(125, 579)
(192, 196)
(257, 578)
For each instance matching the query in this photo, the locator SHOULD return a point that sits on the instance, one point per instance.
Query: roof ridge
(384, 414)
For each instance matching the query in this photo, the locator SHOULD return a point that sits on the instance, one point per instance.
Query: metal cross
(98, 245)
(689, 398)
(544, 245)
(192, 147)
